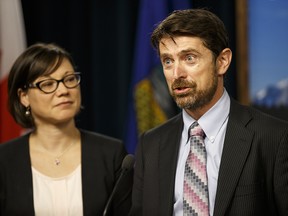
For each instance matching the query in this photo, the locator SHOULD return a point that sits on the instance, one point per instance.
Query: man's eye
(167, 61)
(190, 58)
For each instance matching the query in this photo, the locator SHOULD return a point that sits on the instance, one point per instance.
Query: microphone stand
(127, 164)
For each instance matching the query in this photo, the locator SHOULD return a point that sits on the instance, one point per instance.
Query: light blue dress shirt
(214, 124)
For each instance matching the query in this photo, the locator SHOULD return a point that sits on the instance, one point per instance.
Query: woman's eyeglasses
(50, 85)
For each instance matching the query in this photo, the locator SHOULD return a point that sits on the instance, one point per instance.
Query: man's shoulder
(256, 117)
(169, 126)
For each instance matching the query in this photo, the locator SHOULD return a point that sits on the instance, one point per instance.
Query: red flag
(12, 44)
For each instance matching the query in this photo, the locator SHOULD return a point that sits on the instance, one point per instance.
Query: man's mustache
(181, 83)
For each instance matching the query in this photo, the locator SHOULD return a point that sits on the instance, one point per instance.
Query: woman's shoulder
(14, 148)
(98, 140)
(96, 144)
(14, 143)
(97, 136)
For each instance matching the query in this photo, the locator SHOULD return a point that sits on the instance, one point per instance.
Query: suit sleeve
(137, 193)
(122, 200)
(281, 176)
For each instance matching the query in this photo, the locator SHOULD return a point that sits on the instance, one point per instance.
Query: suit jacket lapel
(168, 154)
(22, 175)
(235, 151)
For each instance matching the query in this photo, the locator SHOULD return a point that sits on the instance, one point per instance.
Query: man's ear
(223, 61)
(24, 98)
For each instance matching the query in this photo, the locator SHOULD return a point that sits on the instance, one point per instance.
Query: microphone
(127, 165)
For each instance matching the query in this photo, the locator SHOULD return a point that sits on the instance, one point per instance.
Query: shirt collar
(212, 121)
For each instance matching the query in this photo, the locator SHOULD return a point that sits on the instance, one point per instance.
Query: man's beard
(194, 99)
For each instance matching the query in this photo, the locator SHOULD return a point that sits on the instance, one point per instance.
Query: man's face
(190, 71)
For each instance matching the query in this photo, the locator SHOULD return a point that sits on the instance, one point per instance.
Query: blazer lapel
(235, 151)
(22, 175)
(168, 154)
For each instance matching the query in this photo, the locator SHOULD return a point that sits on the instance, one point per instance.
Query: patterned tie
(195, 191)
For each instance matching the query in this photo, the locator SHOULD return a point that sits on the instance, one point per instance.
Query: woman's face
(57, 107)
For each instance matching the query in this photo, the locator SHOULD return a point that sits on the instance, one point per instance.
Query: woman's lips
(64, 103)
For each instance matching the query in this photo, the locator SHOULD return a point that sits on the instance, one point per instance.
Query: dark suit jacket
(101, 164)
(253, 174)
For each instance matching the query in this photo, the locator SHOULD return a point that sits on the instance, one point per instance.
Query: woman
(56, 168)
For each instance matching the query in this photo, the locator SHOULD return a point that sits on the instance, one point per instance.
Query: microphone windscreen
(128, 162)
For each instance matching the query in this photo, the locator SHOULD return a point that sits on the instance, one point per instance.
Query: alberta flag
(150, 104)
(12, 44)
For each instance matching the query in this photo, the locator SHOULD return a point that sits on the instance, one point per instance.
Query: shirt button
(212, 139)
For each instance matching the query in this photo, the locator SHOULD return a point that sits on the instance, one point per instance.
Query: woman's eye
(70, 79)
(47, 83)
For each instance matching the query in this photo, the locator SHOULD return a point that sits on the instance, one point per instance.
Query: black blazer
(101, 161)
(253, 174)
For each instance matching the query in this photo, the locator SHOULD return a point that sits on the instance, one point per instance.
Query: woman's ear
(24, 98)
(223, 61)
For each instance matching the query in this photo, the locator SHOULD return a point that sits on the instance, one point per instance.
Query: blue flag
(150, 103)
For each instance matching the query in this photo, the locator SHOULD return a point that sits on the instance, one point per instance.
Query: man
(245, 151)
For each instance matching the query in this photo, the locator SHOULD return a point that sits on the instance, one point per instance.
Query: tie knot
(196, 130)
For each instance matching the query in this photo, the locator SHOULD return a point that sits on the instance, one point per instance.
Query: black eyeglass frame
(37, 84)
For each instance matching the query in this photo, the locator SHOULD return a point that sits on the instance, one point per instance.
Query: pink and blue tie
(195, 191)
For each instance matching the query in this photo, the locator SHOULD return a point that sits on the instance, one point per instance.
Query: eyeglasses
(50, 85)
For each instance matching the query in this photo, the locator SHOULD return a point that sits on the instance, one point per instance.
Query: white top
(58, 196)
(214, 124)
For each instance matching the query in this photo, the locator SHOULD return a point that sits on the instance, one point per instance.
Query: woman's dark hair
(37, 60)
(193, 22)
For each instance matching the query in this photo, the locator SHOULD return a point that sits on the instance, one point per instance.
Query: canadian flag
(12, 44)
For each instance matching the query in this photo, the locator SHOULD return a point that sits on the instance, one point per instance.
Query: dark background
(100, 36)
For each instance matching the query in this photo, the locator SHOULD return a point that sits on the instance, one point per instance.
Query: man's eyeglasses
(50, 85)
